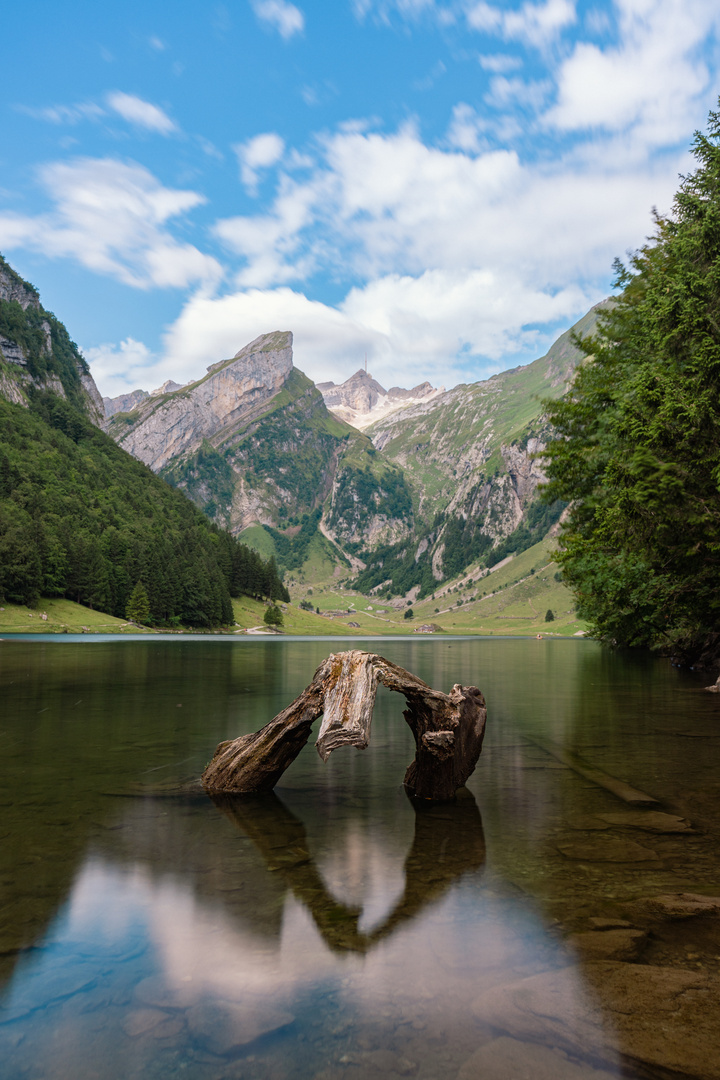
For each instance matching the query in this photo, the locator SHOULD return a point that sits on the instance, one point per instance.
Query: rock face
(361, 400)
(174, 423)
(123, 402)
(252, 442)
(472, 456)
(36, 350)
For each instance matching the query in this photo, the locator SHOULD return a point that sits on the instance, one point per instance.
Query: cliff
(253, 443)
(165, 426)
(470, 454)
(36, 351)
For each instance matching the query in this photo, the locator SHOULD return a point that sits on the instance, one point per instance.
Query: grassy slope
(518, 608)
(516, 601)
(62, 616)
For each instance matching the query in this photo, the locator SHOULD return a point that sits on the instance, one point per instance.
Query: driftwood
(448, 729)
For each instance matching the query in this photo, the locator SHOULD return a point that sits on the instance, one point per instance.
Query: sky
(438, 185)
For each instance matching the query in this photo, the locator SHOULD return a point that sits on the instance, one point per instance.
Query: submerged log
(448, 729)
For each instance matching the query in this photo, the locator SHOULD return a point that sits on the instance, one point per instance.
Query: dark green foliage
(138, 606)
(306, 605)
(549, 617)
(640, 448)
(361, 494)
(293, 550)
(539, 519)
(409, 613)
(27, 328)
(293, 447)
(207, 478)
(465, 542)
(273, 616)
(396, 563)
(81, 518)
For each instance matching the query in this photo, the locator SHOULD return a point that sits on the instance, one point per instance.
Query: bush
(549, 617)
(409, 614)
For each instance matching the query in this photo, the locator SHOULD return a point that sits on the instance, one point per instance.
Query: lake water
(331, 929)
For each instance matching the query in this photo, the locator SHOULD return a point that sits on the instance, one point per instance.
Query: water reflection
(448, 842)
(333, 925)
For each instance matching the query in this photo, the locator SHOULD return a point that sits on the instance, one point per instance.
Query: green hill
(82, 519)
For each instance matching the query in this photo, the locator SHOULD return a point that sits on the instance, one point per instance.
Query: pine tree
(639, 452)
(138, 606)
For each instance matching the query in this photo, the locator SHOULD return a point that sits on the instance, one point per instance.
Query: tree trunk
(448, 728)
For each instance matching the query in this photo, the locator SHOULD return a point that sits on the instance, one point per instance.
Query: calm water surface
(332, 929)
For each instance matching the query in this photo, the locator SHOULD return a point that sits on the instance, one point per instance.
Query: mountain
(127, 402)
(360, 400)
(253, 443)
(469, 457)
(437, 479)
(79, 517)
(36, 352)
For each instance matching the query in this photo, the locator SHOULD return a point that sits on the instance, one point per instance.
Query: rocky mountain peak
(176, 419)
(361, 400)
(12, 287)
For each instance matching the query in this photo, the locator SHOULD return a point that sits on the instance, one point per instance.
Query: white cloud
(410, 328)
(538, 24)
(384, 204)
(650, 83)
(65, 114)
(117, 369)
(110, 216)
(281, 15)
(499, 63)
(466, 127)
(141, 113)
(260, 152)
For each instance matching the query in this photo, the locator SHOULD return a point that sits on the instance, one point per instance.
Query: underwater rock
(223, 1026)
(662, 1017)
(510, 1059)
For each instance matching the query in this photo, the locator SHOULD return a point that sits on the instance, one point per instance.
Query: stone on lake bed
(511, 1059)
(140, 1021)
(675, 906)
(224, 1026)
(663, 1017)
(616, 944)
(606, 849)
(649, 820)
(158, 994)
(376, 1063)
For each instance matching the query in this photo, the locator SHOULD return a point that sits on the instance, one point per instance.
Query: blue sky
(441, 184)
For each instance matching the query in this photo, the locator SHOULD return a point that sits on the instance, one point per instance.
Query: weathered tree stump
(448, 729)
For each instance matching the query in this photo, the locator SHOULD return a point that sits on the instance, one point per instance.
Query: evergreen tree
(138, 606)
(273, 616)
(639, 453)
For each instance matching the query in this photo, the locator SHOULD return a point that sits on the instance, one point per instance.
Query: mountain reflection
(447, 843)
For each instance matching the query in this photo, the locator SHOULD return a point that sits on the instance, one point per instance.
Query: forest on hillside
(639, 450)
(82, 519)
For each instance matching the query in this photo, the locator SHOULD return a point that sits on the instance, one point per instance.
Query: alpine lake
(551, 923)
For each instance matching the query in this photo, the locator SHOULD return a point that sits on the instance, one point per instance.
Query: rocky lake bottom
(560, 919)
